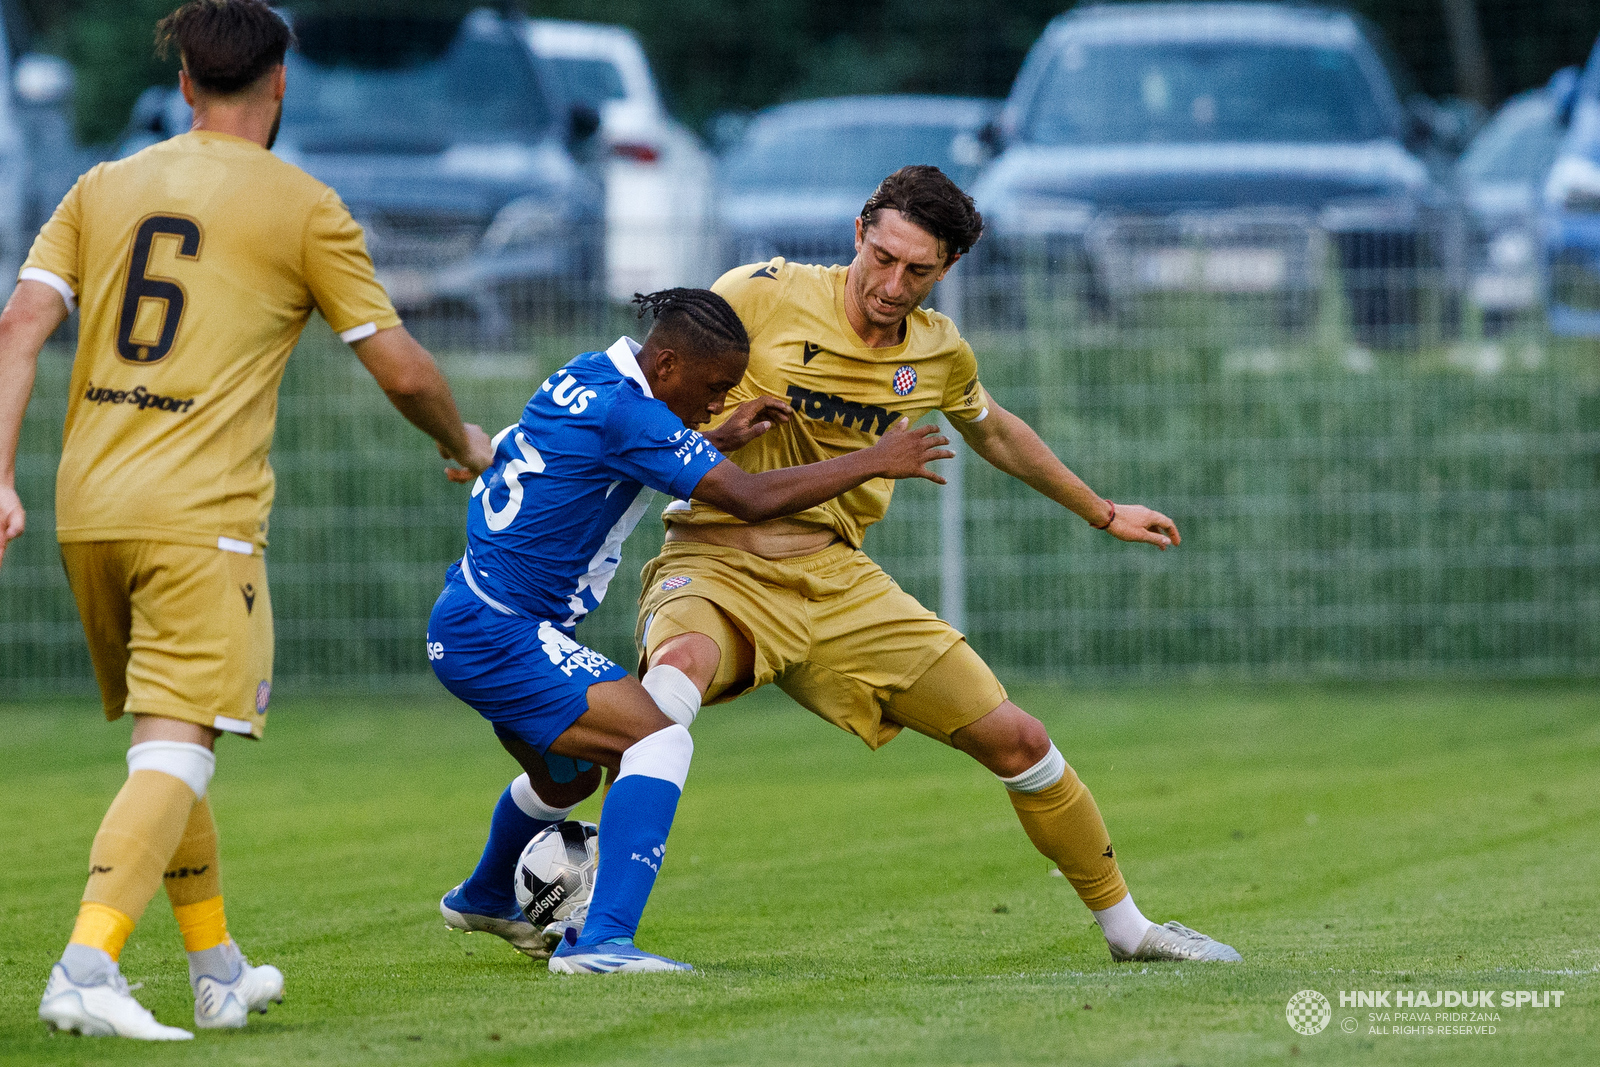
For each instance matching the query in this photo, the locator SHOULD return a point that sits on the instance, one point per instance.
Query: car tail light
(637, 151)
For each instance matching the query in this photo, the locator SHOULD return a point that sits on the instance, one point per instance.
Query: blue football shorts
(526, 676)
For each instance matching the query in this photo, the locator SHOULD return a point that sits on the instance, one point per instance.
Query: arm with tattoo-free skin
(31, 316)
(1011, 445)
(902, 452)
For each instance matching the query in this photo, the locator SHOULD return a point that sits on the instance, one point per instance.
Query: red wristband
(1109, 521)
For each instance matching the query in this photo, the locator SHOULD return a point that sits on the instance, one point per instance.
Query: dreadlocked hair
(704, 318)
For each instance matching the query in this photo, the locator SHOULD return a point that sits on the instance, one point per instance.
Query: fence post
(952, 496)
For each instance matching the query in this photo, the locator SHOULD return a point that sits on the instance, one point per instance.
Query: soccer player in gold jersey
(196, 264)
(794, 601)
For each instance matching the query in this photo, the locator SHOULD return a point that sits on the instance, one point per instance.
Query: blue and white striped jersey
(546, 521)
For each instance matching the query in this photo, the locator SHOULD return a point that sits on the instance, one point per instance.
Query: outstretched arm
(413, 384)
(31, 316)
(900, 453)
(1011, 445)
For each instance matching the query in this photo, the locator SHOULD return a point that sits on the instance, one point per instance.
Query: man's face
(897, 264)
(694, 388)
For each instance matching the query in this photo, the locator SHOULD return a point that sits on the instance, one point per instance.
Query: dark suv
(1233, 150)
(453, 148)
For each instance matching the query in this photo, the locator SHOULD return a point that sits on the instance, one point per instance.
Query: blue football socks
(489, 891)
(633, 834)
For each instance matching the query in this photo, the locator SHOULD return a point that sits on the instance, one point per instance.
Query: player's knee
(1008, 740)
(695, 654)
(1033, 740)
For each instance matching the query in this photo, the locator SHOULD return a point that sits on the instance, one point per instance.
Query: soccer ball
(555, 873)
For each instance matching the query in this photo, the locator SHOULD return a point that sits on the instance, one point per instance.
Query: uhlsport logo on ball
(1308, 1012)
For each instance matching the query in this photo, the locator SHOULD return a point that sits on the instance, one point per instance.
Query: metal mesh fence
(1373, 475)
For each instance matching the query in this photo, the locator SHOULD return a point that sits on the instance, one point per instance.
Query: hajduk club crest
(905, 379)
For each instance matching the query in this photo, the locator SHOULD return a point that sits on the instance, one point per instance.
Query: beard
(277, 121)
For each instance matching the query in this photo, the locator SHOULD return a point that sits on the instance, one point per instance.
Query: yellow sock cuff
(203, 925)
(103, 927)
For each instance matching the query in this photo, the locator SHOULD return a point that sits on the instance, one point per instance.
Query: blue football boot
(609, 957)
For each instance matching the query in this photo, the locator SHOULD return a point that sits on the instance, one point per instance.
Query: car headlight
(524, 222)
(1512, 250)
(1574, 185)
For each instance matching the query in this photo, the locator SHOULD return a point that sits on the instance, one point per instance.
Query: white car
(657, 174)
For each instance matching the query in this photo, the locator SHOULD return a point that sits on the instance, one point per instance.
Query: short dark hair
(225, 45)
(926, 196)
(699, 316)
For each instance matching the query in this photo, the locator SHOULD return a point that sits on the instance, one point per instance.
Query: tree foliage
(714, 55)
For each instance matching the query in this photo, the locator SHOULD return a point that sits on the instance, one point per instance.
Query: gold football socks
(194, 883)
(1063, 822)
(140, 831)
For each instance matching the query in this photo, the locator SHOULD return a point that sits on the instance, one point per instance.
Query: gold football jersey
(196, 264)
(845, 395)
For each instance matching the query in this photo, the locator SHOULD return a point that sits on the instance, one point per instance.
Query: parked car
(1502, 176)
(1571, 209)
(1220, 148)
(453, 146)
(799, 175)
(657, 174)
(37, 151)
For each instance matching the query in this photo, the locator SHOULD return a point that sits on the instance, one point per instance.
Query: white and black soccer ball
(555, 873)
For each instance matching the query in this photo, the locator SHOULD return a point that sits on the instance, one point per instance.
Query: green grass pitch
(847, 907)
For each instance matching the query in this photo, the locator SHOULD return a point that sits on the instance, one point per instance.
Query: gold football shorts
(176, 631)
(831, 629)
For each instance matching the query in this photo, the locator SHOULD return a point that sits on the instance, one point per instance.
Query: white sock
(87, 965)
(532, 805)
(1123, 924)
(674, 694)
(222, 962)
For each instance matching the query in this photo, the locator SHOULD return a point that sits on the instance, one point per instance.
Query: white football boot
(103, 1009)
(512, 925)
(1175, 941)
(221, 1005)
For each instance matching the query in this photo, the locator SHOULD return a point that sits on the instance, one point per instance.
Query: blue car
(455, 150)
(1237, 150)
(798, 177)
(1572, 211)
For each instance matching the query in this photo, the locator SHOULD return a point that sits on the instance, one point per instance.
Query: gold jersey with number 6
(196, 264)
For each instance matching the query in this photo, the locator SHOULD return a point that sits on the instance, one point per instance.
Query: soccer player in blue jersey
(545, 528)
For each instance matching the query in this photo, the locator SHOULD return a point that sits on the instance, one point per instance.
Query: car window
(1518, 145)
(587, 81)
(781, 156)
(410, 82)
(1184, 92)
